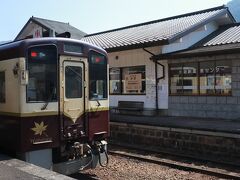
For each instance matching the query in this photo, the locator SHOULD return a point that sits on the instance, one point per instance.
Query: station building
(182, 65)
(186, 65)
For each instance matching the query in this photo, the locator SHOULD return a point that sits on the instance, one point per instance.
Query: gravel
(122, 168)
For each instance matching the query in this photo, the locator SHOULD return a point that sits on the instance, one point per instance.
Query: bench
(125, 106)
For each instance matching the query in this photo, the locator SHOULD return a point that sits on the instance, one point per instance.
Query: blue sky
(93, 16)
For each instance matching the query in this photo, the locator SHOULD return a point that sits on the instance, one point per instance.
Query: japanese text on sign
(133, 82)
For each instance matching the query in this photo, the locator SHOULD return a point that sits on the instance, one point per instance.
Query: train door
(72, 98)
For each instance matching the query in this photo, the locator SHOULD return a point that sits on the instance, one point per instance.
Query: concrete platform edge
(32, 169)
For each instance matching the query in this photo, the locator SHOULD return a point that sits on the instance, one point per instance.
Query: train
(54, 103)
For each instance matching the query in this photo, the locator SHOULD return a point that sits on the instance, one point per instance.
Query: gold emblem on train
(39, 128)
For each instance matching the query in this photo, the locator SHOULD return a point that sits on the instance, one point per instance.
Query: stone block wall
(226, 107)
(215, 146)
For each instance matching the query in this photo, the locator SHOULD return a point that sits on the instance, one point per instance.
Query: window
(205, 78)
(176, 79)
(183, 78)
(98, 76)
(223, 77)
(42, 68)
(73, 82)
(189, 80)
(2, 87)
(115, 81)
(128, 80)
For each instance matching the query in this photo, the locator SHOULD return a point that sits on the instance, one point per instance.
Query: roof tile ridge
(36, 18)
(161, 20)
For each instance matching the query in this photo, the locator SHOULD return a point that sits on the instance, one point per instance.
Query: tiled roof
(201, 51)
(155, 32)
(61, 27)
(226, 35)
(56, 26)
(225, 40)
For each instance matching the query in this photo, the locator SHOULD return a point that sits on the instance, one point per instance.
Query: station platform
(11, 169)
(210, 139)
(203, 124)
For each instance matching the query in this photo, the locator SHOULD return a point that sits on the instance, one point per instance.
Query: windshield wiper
(45, 105)
(49, 98)
(98, 103)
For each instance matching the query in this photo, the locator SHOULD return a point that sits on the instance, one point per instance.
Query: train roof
(18, 48)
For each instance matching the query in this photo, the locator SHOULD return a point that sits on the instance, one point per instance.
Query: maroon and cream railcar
(54, 108)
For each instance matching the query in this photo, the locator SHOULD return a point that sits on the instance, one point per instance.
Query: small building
(204, 80)
(38, 27)
(139, 70)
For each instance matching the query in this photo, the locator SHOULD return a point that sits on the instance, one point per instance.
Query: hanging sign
(133, 82)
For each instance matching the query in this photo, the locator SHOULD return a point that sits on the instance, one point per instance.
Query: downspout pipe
(157, 79)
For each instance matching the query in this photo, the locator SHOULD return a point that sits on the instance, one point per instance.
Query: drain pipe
(156, 73)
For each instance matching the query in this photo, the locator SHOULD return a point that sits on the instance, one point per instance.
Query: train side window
(73, 82)
(97, 76)
(2, 87)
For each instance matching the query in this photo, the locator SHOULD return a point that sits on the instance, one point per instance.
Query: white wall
(163, 86)
(191, 38)
(137, 57)
(29, 30)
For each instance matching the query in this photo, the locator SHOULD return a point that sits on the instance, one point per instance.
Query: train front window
(73, 82)
(97, 76)
(42, 68)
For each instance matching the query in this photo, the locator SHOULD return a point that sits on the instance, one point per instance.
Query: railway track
(141, 155)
